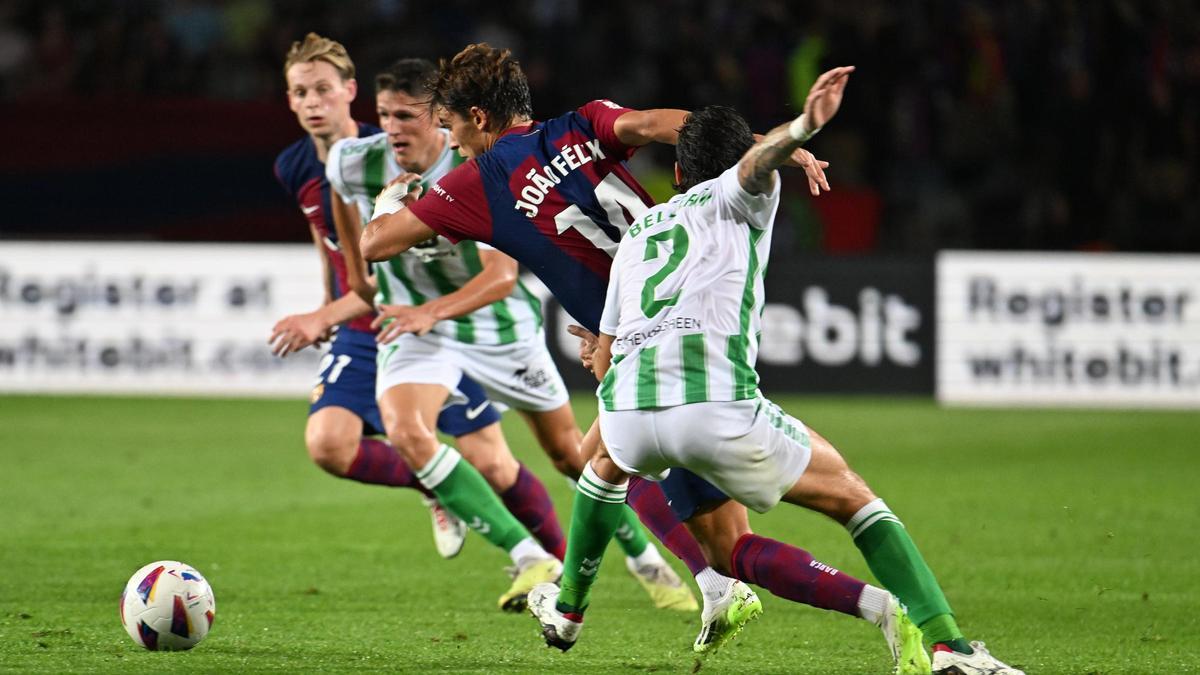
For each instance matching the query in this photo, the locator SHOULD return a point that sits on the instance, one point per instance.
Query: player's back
(555, 195)
(685, 299)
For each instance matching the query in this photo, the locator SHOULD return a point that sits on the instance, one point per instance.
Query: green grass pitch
(1065, 539)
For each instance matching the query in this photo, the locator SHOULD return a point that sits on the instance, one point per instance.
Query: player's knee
(498, 470)
(331, 451)
(413, 441)
(852, 494)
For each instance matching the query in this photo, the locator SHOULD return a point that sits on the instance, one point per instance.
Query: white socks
(650, 556)
(528, 549)
(712, 584)
(872, 604)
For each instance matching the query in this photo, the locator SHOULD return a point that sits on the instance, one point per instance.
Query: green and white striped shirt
(357, 169)
(685, 299)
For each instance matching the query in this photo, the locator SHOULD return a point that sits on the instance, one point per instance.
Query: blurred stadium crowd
(1005, 124)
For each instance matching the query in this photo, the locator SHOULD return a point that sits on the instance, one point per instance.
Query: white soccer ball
(167, 605)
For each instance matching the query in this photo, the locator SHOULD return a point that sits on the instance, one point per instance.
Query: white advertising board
(153, 318)
(1069, 329)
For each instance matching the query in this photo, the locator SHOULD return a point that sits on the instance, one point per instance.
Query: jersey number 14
(612, 194)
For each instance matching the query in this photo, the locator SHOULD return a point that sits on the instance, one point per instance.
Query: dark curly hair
(484, 77)
(711, 140)
(411, 76)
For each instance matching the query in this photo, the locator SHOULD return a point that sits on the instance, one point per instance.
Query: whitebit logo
(589, 567)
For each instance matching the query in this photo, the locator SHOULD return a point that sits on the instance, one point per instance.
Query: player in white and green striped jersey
(450, 310)
(360, 168)
(676, 359)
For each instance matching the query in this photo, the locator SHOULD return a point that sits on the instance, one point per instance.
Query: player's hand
(401, 319)
(814, 169)
(825, 97)
(413, 189)
(587, 344)
(295, 332)
(397, 194)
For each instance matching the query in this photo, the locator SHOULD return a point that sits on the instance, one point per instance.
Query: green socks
(463, 491)
(896, 562)
(942, 628)
(630, 534)
(598, 512)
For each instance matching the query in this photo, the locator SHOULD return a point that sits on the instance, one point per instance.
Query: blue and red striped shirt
(302, 175)
(555, 195)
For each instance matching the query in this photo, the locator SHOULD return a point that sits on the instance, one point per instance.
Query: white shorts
(520, 375)
(752, 450)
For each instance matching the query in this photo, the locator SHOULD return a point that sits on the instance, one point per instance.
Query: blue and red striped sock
(792, 573)
(378, 463)
(647, 499)
(529, 502)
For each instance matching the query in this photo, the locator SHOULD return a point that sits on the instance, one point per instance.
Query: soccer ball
(167, 605)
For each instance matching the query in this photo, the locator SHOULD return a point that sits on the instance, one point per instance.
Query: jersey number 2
(651, 303)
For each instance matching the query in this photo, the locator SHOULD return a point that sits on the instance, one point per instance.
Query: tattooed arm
(756, 170)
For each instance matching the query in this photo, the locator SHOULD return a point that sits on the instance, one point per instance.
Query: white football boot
(557, 629)
(726, 617)
(979, 663)
(449, 532)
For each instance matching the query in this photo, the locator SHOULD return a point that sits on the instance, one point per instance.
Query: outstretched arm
(661, 125)
(641, 127)
(756, 170)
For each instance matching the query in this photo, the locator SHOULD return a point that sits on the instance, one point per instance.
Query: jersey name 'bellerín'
(555, 195)
(302, 175)
(685, 298)
(358, 168)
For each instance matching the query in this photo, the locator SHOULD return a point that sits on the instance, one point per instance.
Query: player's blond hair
(317, 48)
